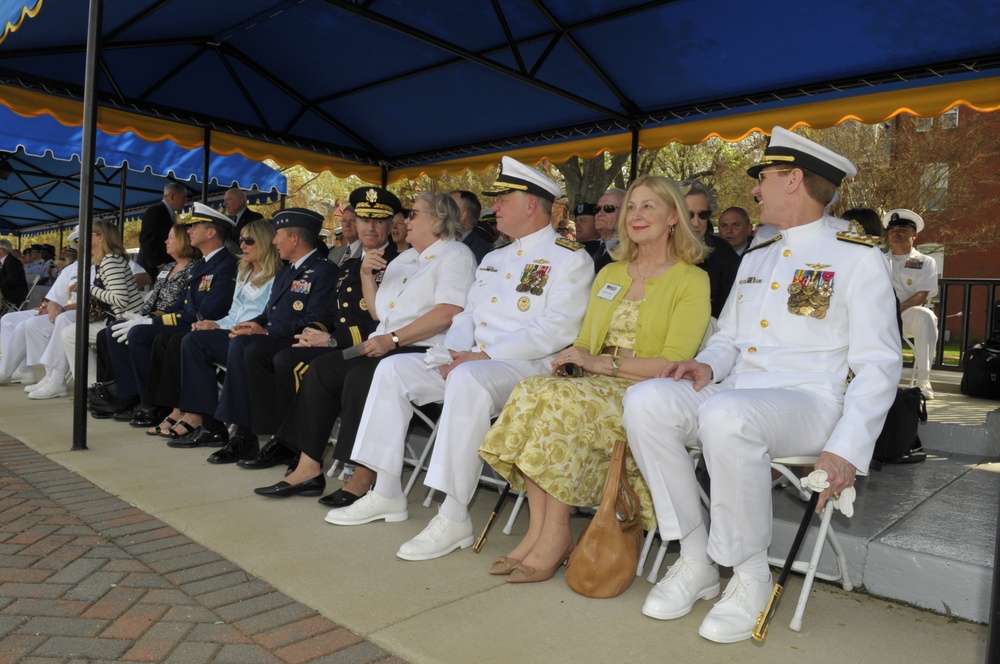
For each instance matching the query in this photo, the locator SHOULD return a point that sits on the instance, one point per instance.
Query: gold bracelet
(616, 364)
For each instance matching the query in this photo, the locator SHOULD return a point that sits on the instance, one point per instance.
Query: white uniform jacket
(847, 347)
(527, 301)
(912, 273)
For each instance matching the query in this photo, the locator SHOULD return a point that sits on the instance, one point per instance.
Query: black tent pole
(634, 170)
(122, 200)
(86, 207)
(205, 174)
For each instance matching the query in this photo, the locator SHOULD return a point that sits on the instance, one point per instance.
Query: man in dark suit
(13, 285)
(299, 295)
(156, 223)
(350, 246)
(235, 201)
(346, 322)
(207, 296)
(586, 227)
(609, 207)
(474, 236)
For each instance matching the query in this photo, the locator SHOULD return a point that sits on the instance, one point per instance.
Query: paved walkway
(86, 576)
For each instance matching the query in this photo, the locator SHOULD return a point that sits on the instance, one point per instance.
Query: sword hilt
(759, 632)
(481, 542)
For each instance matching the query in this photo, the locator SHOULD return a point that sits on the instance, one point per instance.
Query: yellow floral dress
(560, 431)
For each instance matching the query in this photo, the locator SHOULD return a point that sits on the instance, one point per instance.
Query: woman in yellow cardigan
(555, 435)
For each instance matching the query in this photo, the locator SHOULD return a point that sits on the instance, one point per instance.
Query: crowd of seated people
(539, 365)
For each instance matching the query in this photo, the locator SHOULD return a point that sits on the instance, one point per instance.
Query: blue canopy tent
(391, 88)
(40, 173)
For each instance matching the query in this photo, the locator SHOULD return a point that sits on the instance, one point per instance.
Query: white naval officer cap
(74, 236)
(515, 176)
(903, 217)
(204, 214)
(786, 148)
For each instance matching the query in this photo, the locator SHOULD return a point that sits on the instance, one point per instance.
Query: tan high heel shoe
(527, 574)
(503, 566)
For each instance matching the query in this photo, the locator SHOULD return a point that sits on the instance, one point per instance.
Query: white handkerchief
(437, 356)
(816, 481)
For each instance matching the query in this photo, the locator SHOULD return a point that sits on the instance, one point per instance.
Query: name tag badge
(609, 291)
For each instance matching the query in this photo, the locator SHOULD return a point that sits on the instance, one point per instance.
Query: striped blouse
(120, 291)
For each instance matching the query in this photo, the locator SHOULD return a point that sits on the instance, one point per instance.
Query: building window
(934, 180)
(949, 120)
(924, 124)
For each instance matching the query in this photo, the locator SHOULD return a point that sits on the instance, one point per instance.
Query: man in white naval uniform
(526, 303)
(811, 305)
(915, 280)
(24, 335)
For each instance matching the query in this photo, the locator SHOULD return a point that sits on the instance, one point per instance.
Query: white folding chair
(825, 535)
(411, 458)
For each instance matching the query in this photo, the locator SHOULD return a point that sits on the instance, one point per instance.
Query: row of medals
(809, 300)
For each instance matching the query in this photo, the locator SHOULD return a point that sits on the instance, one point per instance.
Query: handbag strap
(614, 484)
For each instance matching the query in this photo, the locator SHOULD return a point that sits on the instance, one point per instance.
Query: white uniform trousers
(473, 394)
(54, 356)
(12, 340)
(69, 347)
(921, 324)
(739, 431)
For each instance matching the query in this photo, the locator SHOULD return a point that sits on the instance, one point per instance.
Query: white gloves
(816, 481)
(120, 330)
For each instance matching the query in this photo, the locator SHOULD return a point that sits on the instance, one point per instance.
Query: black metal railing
(975, 318)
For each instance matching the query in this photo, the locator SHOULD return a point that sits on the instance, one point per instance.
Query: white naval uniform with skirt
(519, 329)
(912, 273)
(781, 385)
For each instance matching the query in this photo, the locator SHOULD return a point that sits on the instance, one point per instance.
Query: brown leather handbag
(605, 559)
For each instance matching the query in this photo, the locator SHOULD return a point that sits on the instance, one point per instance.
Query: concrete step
(923, 534)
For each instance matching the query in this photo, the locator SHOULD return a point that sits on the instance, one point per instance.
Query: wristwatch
(395, 339)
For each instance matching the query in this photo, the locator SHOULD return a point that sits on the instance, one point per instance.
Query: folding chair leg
(800, 607)
(507, 529)
(657, 562)
(646, 546)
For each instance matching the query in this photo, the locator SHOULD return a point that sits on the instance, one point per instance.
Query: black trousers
(164, 386)
(331, 387)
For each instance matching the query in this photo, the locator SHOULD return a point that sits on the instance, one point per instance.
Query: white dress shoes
(733, 618)
(439, 538)
(22, 375)
(31, 387)
(48, 390)
(369, 507)
(685, 583)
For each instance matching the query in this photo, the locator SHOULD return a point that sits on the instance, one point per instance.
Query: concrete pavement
(446, 610)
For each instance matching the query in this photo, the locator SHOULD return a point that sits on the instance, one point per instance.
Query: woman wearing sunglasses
(722, 263)
(255, 275)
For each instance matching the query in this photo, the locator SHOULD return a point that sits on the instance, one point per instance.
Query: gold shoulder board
(568, 244)
(763, 244)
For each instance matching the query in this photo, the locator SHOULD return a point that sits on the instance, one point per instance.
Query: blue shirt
(248, 302)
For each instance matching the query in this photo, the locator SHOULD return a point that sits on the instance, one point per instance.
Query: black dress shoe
(199, 437)
(313, 487)
(238, 447)
(272, 454)
(124, 415)
(146, 416)
(338, 498)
